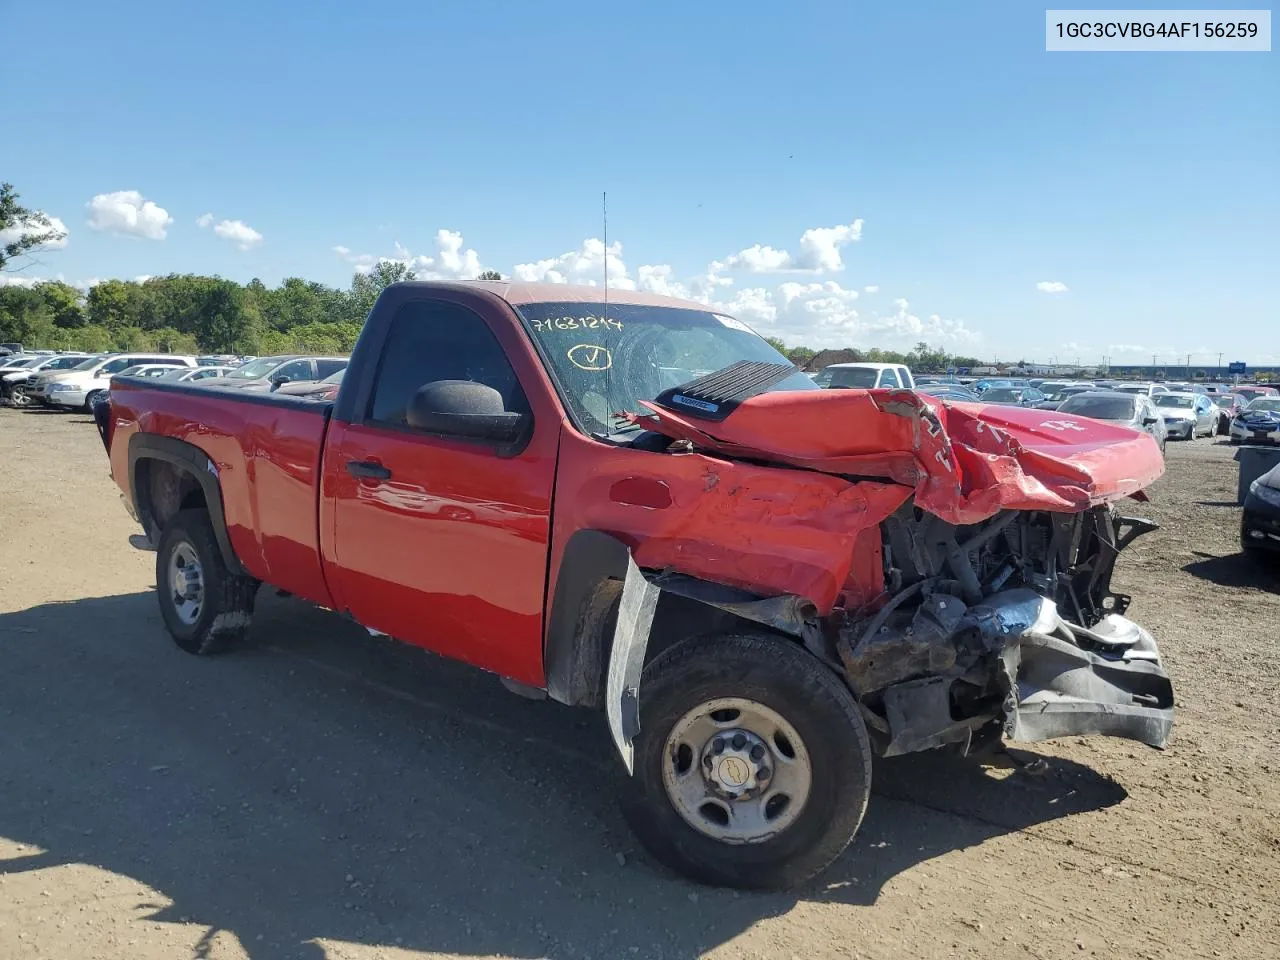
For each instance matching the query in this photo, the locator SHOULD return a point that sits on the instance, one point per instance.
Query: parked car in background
(13, 380)
(81, 385)
(1260, 521)
(1012, 396)
(326, 389)
(266, 374)
(1259, 422)
(196, 374)
(948, 391)
(1187, 415)
(8, 349)
(1129, 409)
(149, 371)
(865, 376)
(1143, 389)
(1054, 398)
(1228, 406)
(1253, 393)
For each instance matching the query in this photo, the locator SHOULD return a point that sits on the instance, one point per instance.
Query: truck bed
(266, 451)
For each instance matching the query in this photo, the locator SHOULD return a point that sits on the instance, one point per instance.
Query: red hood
(966, 461)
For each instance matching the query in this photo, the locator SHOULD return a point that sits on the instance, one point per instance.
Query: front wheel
(206, 608)
(91, 399)
(752, 765)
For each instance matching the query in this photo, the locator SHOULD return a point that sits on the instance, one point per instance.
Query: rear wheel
(752, 767)
(206, 608)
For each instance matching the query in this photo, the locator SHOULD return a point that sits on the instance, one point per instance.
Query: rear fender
(146, 449)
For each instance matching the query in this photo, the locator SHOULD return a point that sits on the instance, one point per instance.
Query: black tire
(780, 675)
(91, 399)
(226, 609)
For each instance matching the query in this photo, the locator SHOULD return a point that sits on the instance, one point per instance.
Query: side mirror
(464, 409)
(1149, 421)
(278, 382)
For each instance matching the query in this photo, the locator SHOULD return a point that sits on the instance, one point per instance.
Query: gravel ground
(326, 794)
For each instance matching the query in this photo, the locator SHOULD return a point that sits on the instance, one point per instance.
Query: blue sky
(777, 160)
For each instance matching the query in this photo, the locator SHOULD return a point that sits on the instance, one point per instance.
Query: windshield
(15, 364)
(257, 369)
(605, 365)
(177, 373)
(1264, 404)
(1001, 395)
(859, 378)
(1132, 389)
(1100, 408)
(335, 377)
(1173, 400)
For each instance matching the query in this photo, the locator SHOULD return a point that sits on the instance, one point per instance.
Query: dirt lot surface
(326, 794)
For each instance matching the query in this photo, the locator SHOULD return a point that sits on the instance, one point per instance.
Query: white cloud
(127, 213)
(1051, 286)
(819, 253)
(142, 278)
(804, 309)
(204, 220)
(450, 261)
(239, 233)
(820, 246)
(28, 227)
(19, 280)
(585, 265)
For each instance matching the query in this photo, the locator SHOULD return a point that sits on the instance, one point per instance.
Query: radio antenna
(608, 370)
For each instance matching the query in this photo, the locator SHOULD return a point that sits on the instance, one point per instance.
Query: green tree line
(183, 313)
(922, 358)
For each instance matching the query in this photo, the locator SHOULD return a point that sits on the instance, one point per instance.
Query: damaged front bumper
(1011, 659)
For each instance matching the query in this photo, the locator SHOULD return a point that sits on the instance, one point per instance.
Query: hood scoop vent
(718, 394)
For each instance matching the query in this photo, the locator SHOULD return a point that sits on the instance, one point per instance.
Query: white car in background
(1187, 415)
(84, 384)
(1141, 389)
(865, 376)
(182, 375)
(14, 376)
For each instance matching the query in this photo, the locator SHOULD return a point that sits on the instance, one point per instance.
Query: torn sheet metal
(965, 461)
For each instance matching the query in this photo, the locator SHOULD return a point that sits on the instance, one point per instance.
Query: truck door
(438, 541)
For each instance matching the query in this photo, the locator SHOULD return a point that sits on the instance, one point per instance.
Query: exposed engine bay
(1009, 625)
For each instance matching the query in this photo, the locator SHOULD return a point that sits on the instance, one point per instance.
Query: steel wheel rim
(736, 770)
(186, 583)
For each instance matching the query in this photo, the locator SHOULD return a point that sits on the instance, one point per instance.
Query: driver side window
(433, 340)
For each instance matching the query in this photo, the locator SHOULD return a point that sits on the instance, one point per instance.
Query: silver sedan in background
(1128, 409)
(1187, 415)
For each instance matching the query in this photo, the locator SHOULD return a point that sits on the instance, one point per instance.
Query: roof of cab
(518, 293)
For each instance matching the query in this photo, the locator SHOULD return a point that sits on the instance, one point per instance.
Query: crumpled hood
(966, 461)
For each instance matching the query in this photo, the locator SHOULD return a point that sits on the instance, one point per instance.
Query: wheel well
(164, 488)
(676, 618)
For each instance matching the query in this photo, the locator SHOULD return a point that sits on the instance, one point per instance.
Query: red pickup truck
(639, 507)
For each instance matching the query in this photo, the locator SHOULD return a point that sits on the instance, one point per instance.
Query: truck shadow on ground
(325, 785)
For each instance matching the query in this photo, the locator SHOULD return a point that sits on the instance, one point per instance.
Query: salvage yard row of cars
(80, 381)
(758, 582)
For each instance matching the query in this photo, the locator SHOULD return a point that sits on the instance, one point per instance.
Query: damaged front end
(1010, 625)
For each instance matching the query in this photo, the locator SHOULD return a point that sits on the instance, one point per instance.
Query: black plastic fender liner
(179, 453)
(575, 648)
